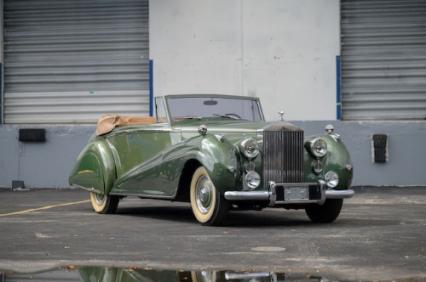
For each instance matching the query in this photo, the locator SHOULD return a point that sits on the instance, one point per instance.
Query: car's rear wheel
(208, 206)
(326, 213)
(104, 203)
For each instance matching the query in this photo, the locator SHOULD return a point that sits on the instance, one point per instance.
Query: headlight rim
(313, 148)
(244, 150)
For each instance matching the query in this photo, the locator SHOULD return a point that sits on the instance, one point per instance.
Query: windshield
(213, 107)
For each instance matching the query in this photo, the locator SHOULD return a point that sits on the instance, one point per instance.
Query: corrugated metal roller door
(70, 61)
(384, 59)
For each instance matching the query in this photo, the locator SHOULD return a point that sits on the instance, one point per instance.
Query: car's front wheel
(104, 203)
(208, 206)
(326, 213)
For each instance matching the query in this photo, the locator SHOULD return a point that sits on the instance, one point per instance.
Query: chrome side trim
(91, 189)
(158, 197)
(339, 194)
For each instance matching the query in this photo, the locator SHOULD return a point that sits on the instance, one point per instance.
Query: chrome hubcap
(99, 198)
(203, 194)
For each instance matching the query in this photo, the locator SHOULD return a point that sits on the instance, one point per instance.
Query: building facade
(360, 65)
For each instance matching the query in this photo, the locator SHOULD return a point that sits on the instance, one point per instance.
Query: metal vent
(283, 156)
(383, 59)
(72, 61)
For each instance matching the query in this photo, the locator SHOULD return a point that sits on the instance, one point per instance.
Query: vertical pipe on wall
(1, 94)
(1, 62)
(338, 89)
(151, 87)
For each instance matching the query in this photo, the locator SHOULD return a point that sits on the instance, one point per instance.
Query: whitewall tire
(208, 206)
(104, 203)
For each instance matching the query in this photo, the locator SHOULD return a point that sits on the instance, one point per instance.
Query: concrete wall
(49, 164)
(281, 51)
(41, 164)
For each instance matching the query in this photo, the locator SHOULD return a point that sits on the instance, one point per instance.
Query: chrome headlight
(252, 179)
(318, 147)
(332, 179)
(250, 148)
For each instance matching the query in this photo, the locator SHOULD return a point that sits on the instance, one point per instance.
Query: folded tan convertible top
(108, 122)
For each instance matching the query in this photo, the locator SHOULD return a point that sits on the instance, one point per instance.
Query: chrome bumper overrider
(339, 194)
(271, 195)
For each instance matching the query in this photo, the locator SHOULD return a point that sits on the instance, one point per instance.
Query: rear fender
(95, 168)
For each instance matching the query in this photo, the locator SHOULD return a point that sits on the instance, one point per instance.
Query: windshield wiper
(229, 116)
(191, 117)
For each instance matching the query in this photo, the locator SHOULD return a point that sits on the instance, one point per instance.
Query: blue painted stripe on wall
(338, 89)
(1, 95)
(151, 87)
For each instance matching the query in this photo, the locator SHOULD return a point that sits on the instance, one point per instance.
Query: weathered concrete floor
(379, 235)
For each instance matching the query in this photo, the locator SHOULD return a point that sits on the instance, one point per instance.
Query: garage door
(383, 59)
(71, 61)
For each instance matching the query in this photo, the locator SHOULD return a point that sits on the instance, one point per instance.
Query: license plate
(296, 193)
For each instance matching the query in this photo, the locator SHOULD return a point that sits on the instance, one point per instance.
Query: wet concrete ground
(380, 235)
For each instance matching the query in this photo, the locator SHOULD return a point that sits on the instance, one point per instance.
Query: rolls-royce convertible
(218, 153)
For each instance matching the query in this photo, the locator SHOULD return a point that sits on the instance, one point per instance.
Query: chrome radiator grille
(282, 156)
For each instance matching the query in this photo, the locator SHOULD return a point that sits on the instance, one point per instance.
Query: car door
(138, 153)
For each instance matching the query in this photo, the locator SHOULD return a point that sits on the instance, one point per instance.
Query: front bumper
(276, 193)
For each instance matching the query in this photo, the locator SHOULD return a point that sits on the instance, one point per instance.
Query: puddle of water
(73, 273)
(115, 274)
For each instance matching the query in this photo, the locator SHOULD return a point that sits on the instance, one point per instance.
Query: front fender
(94, 168)
(337, 160)
(220, 158)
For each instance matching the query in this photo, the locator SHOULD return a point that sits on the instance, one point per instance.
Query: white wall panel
(281, 51)
(290, 48)
(196, 46)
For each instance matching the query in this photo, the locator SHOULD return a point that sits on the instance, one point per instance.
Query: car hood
(234, 129)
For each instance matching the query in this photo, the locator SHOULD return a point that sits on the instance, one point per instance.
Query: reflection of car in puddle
(95, 274)
(115, 274)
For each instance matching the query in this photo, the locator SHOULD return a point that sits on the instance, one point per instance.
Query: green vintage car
(218, 153)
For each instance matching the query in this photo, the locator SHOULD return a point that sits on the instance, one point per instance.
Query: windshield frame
(223, 96)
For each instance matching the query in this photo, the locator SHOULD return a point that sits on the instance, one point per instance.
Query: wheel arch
(95, 168)
(188, 170)
(218, 157)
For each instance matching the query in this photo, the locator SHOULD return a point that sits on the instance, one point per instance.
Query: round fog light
(252, 179)
(332, 179)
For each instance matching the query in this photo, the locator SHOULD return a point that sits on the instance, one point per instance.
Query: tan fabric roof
(108, 122)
